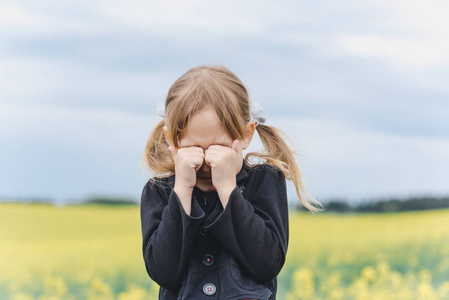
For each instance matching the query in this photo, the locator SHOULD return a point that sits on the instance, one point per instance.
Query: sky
(360, 87)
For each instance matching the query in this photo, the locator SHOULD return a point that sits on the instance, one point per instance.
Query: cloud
(409, 52)
(29, 19)
(14, 14)
(188, 17)
(418, 39)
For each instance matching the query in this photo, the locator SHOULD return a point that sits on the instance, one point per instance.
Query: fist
(225, 163)
(187, 162)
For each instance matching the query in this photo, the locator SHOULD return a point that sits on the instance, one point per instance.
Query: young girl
(214, 225)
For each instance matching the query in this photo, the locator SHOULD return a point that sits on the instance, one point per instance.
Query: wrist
(226, 188)
(227, 185)
(183, 193)
(224, 193)
(185, 196)
(182, 189)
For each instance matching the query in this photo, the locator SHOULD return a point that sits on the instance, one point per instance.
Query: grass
(94, 252)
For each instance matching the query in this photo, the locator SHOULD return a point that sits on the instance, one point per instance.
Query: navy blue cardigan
(234, 253)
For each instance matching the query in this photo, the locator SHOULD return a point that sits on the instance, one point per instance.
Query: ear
(167, 138)
(249, 133)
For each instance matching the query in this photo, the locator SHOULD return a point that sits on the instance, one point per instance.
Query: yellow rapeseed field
(94, 252)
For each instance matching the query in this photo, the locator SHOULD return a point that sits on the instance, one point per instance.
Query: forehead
(204, 129)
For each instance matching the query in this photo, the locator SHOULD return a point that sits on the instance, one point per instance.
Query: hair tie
(160, 109)
(258, 114)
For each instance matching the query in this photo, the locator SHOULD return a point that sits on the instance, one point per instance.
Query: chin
(205, 187)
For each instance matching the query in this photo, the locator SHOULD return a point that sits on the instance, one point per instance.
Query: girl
(214, 225)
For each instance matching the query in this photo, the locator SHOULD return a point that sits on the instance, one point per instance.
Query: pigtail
(157, 157)
(280, 155)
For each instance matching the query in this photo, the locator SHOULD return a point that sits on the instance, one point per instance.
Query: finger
(195, 149)
(217, 147)
(208, 158)
(198, 167)
(197, 162)
(196, 159)
(173, 151)
(236, 146)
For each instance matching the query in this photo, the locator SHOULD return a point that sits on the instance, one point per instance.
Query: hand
(187, 162)
(225, 164)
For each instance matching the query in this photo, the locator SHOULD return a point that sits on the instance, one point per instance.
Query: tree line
(332, 206)
(388, 205)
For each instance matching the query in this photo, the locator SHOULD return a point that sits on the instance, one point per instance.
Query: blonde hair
(219, 88)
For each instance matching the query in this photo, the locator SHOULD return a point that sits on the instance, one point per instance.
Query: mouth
(204, 177)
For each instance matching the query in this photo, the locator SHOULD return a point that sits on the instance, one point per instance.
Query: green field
(94, 252)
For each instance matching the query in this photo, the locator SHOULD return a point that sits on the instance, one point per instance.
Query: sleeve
(256, 232)
(168, 234)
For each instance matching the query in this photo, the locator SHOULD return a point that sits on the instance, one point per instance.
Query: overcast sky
(361, 88)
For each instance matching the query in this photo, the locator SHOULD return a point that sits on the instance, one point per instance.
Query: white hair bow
(160, 109)
(258, 114)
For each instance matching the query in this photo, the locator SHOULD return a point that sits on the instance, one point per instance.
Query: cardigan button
(208, 260)
(203, 231)
(209, 289)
